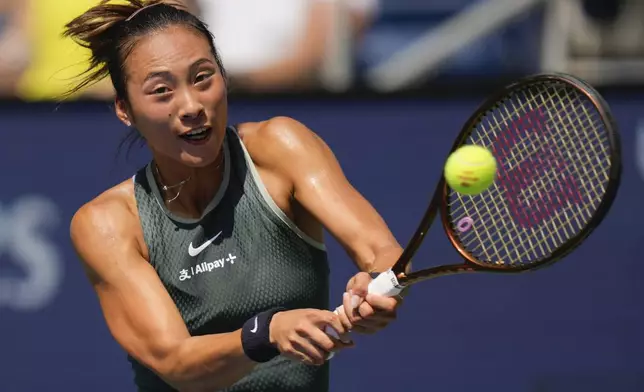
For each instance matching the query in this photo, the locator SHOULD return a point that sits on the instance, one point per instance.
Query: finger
(350, 303)
(326, 343)
(323, 319)
(366, 311)
(350, 283)
(359, 284)
(380, 302)
(296, 354)
(341, 324)
(308, 351)
(341, 345)
(342, 315)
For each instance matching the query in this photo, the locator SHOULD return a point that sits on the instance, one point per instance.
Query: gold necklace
(179, 185)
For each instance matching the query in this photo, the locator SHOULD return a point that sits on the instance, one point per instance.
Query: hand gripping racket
(558, 170)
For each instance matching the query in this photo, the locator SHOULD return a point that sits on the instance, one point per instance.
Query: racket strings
(568, 137)
(596, 146)
(493, 199)
(546, 186)
(564, 220)
(553, 158)
(557, 112)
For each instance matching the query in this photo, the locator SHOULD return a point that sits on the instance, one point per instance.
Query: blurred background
(388, 84)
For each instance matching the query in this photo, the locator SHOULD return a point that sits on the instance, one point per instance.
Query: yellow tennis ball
(470, 169)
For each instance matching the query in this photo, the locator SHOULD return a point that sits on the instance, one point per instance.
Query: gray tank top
(243, 256)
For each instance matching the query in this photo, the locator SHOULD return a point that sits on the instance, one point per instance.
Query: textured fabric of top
(258, 260)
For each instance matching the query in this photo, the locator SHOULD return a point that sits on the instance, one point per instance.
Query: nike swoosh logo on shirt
(255, 328)
(195, 251)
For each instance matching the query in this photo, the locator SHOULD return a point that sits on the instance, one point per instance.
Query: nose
(191, 107)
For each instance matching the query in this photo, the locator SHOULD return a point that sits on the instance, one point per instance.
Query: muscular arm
(322, 188)
(139, 312)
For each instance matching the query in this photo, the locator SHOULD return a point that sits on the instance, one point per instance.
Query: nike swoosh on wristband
(255, 328)
(195, 251)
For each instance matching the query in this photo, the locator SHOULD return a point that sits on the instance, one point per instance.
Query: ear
(123, 112)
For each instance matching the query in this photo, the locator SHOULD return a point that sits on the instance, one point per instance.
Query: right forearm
(207, 362)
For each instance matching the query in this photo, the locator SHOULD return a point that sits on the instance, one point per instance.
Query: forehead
(174, 48)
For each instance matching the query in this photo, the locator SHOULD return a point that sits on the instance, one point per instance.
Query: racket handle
(385, 284)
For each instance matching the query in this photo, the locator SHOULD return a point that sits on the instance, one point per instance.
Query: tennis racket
(558, 171)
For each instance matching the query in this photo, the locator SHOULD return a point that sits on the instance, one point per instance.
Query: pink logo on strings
(529, 189)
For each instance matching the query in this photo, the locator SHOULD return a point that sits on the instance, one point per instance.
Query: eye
(160, 90)
(202, 77)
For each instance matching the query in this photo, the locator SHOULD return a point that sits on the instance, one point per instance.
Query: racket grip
(385, 284)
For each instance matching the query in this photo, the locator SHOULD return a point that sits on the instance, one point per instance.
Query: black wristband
(255, 337)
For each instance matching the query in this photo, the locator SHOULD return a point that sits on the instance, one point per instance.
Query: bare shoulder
(109, 210)
(105, 223)
(279, 140)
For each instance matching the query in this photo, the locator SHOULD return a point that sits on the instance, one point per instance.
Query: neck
(187, 191)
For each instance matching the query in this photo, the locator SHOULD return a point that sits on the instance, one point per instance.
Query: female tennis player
(209, 263)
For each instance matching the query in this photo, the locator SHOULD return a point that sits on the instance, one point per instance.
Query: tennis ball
(470, 169)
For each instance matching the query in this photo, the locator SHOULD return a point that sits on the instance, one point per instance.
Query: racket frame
(438, 203)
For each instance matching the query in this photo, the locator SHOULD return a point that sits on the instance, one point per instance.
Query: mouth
(197, 136)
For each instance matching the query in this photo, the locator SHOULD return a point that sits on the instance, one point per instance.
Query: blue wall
(578, 326)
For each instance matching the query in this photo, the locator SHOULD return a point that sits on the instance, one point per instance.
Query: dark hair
(110, 32)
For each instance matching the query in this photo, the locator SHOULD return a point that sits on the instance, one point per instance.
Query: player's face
(176, 96)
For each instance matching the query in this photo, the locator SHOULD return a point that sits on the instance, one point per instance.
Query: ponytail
(110, 31)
